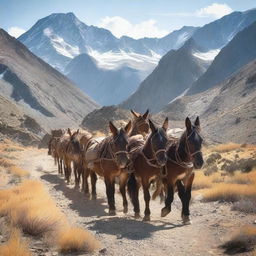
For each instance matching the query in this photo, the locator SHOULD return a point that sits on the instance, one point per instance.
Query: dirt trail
(122, 234)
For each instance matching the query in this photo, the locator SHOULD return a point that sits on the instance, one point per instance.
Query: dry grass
(5, 163)
(17, 171)
(222, 148)
(243, 241)
(75, 239)
(229, 192)
(14, 246)
(30, 208)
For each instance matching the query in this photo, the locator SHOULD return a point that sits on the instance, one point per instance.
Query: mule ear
(69, 132)
(77, 131)
(145, 115)
(188, 124)
(113, 129)
(152, 126)
(165, 124)
(197, 122)
(135, 113)
(128, 127)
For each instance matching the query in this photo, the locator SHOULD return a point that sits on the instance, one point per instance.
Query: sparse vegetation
(29, 207)
(243, 241)
(223, 148)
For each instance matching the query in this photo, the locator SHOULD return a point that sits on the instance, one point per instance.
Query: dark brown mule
(148, 162)
(182, 157)
(52, 148)
(113, 158)
(139, 126)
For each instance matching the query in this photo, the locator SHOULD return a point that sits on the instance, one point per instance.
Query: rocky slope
(177, 71)
(38, 90)
(171, 77)
(238, 52)
(227, 110)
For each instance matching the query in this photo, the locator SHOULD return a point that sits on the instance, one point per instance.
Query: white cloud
(15, 31)
(120, 26)
(215, 10)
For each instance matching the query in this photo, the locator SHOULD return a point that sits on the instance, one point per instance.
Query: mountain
(60, 37)
(38, 90)
(107, 87)
(240, 51)
(171, 77)
(225, 110)
(177, 70)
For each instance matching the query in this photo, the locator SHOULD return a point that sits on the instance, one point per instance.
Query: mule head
(194, 142)
(74, 143)
(119, 144)
(140, 122)
(158, 139)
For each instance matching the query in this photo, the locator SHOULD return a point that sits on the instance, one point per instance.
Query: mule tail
(159, 190)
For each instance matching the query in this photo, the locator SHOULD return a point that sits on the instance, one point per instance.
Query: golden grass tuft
(229, 192)
(76, 239)
(5, 163)
(201, 181)
(14, 246)
(243, 241)
(17, 171)
(222, 148)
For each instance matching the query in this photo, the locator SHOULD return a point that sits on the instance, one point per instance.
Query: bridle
(178, 160)
(155, 153)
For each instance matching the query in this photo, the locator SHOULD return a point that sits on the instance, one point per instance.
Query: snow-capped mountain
(60, 37)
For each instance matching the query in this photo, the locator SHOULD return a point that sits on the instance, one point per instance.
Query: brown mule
(182, 157)
(113, 158)
(148, 162)
(52, 148)
(140, 125)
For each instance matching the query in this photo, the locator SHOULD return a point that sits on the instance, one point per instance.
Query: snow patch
(207, 56)
(113, 60)
(2, 75)
(181, 39)
(180, 96)
(61, 46)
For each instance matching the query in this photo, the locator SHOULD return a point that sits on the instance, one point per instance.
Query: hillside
(227, 111)
(238, 52)
(37, 89)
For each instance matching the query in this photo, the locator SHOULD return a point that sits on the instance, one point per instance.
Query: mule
(113, 158)
(148, 161)
(183, 155)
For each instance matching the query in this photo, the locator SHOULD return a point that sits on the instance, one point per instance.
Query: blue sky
(136, 18)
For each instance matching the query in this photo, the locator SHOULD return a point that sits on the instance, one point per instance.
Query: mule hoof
(165, 212)
(112, 212)
(186, 220)
(137, 215)
(94, 197)
(125, 210)
(146, 218)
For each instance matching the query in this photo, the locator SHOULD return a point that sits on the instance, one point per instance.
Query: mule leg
(61, 166)
(147, 200)
(75, 168)
(122, 187)
(169, 199)
(93, 184)
(186, 194)
(110, 191)
(133, 189)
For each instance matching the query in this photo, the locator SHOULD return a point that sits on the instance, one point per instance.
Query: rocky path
(122, 235)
